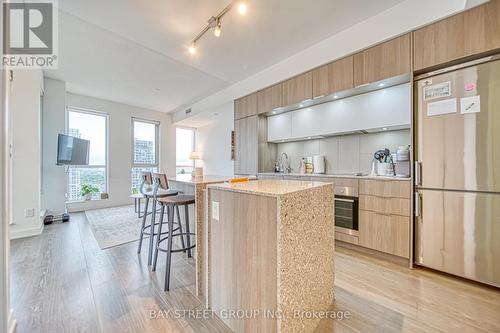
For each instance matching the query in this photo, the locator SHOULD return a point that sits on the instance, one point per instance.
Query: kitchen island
(187, 184)
(270, 254)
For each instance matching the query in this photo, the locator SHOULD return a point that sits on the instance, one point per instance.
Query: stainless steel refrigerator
(457, 170)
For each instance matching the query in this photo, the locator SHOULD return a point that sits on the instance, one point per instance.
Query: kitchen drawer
(396, 206)
(385, 233)
(385, 188)
(346, 238)
(343, 186)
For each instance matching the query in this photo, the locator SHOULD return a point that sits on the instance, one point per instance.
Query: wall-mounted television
(72, 151)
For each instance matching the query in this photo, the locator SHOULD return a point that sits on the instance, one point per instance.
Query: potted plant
(87, 191)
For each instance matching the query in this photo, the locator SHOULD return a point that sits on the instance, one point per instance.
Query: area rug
(114, 226)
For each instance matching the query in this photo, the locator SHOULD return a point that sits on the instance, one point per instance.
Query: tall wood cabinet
(245, 106)
(246, 141)
(333, 77)
(472, 32)
(297, 89)
(385, 60)
(269, 98)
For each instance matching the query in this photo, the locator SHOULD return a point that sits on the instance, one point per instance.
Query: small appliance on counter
(318, 164)
(302, 165)
(403, 162)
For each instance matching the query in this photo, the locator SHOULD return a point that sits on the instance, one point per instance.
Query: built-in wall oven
(346, 210)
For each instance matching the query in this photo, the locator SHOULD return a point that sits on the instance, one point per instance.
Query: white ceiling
(135, 52)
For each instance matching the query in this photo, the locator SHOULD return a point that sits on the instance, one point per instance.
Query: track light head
(242, 8)
(192, 48)
(218, 29)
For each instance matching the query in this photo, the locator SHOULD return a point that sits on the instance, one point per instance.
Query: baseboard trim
(11, 323)
(27, 232)
(374, 253)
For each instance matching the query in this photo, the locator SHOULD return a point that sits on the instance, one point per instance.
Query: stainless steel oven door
(346, 212)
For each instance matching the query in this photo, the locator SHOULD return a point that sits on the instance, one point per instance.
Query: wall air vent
(188, 111)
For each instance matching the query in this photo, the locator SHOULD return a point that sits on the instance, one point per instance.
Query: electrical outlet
(29, 212)
(215, 210)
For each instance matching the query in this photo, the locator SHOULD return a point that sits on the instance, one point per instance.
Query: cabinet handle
(418, 173)
(344, 200)
(418, 205)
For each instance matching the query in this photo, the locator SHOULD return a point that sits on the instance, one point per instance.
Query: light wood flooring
(62, 282)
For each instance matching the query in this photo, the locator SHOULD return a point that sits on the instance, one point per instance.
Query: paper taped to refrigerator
(438, 90)
(470, 104)
(445, 106)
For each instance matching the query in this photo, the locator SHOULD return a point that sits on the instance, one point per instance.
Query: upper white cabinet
(390, 107)
(279, 127)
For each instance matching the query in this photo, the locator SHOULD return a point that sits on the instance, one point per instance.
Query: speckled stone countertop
(205, 179)
(268, 187)
(322, 175)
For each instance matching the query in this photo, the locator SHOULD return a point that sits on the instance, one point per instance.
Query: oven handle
(344, 200)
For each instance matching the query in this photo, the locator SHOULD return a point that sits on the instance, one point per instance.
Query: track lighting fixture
(215, 23)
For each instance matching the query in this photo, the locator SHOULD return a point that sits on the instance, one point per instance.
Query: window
(90, 126)
(184, 146)
(144, 150)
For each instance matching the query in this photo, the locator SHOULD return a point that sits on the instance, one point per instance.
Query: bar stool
(173, 203)
(149, 230)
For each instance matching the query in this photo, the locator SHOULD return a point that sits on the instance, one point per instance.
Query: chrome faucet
(284, 167)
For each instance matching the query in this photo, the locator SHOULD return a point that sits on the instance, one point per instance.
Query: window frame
(157, 144)
(105, 167)
(193, 148)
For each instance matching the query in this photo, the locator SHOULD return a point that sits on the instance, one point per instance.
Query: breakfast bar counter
(188, 184)
(270, 254)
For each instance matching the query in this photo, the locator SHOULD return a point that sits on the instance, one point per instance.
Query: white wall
(25, 110)
(119, 147)
(213, 141)
(404, 17)
(53, 123)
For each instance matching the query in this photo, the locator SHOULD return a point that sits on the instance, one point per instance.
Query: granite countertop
(322, 175)
(205, 179)
(269, 187)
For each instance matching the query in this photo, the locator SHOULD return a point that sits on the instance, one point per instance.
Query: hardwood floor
(62, 282)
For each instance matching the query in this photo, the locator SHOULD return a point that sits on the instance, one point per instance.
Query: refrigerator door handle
(418, 173)
(418, 203)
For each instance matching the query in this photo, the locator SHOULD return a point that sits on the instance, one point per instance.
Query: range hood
(362, 89)
(375, 111)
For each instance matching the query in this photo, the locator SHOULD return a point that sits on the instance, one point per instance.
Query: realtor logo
(29, 34)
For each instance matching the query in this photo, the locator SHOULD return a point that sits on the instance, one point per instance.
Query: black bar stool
(173, 203)
(154, 194)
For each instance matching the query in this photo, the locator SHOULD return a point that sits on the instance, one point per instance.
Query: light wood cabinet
(472, 32)
(297, 89)
(269, 98)
(385, 188)
(333, 77)
(394, 206)
(246, 131)
(385, 233)
(384, 216)
(245, 106)
(382, 61)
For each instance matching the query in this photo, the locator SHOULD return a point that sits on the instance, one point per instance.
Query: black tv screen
(72, 151)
